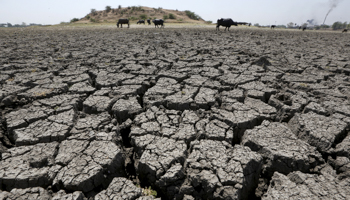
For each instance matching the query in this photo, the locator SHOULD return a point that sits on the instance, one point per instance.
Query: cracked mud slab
(192, 113)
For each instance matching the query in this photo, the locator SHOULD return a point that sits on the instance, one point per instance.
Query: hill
(134, 13)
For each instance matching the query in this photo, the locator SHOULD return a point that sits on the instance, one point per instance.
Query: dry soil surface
(192, 113)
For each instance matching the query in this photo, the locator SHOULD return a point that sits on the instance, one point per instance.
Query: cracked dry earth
(104, 113)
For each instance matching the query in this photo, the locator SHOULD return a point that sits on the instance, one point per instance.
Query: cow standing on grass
(227, 22)
(158, 22)
(123, 21)
(345, 30)
(149, 21)
(273, 26)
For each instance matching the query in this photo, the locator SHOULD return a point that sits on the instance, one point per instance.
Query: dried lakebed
(105, 113)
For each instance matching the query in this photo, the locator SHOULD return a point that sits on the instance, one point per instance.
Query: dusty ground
(103, 113)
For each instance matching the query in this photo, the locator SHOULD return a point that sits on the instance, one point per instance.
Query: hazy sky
(264, 12)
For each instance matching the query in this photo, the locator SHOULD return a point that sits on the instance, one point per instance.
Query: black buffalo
(158, 22)
(123, 21)
(141, 22)
(273, 26)
(149, 21)
(345, 30)
(242, 23)
(227, 22)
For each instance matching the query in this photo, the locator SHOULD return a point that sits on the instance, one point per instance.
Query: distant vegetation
(172, 16)
(74, 20)
(340, 25)
(93, 12)
(192, 15)
(108, 8)
(143, 16)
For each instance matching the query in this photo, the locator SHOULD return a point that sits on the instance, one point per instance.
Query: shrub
(165, 17)
(209, 22)
(74, 20)
(93, 20)
(108, 8)
(192, 15)
(132, 18)
(149, 192)
(172, 16)
(87, 16)
(339, 25)
(93, 12)
(119, 7)
(143, 16)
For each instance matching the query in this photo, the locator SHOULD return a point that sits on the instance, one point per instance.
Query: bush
(108, 8)
(87, 16)
(119, 7)
(93, 20)
(339, 25)
(93, 12)
(165, 17)
(74, 20)
(192, 15)
(132, 18)
(172, 16)
(143, 16)
(209, 22)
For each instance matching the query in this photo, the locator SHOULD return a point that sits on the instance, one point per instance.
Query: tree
(143, 16)
(108, 8)
(324, 26)
(119, 7)
(74, 20)
(304, 25)
(172, 16)
(257, 24)
(192, 15)
(290, 25)
(93, 11)
(338, 25)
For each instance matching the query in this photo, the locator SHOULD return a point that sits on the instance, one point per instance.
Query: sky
(264, 12)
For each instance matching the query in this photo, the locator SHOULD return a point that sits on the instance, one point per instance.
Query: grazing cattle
(141, 22)
(158, 22)
(345, 30)
(242, 23)
(227, 22)
(304, 28)
(123, 21)
(149, 21)
(273, 26)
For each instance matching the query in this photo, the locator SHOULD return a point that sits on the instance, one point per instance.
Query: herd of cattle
(157, 22)
(226, 22)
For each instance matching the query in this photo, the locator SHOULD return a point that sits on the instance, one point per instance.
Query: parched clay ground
(103, 113)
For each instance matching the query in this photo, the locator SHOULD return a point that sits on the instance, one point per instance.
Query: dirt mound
(135, 13)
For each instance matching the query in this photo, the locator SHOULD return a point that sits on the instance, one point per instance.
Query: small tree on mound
(172, 16)
(108, 8)
(192, 15)
(74, 20)
(143, 16)
(93, 11)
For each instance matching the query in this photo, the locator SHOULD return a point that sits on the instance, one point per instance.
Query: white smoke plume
(333, 4)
